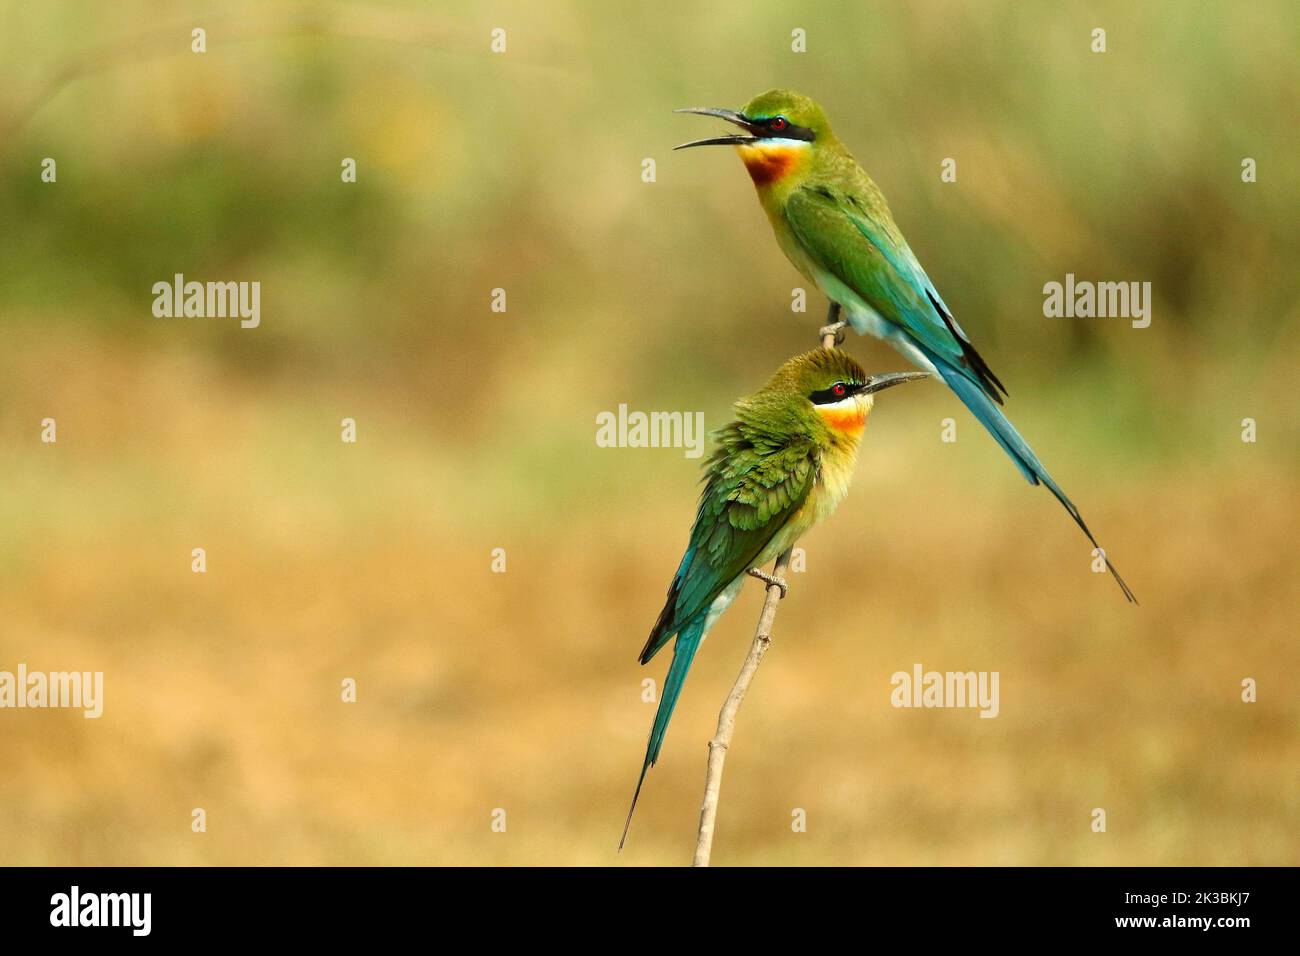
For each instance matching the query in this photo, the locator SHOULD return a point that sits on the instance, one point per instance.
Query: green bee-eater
(781, 467)
(834, 225)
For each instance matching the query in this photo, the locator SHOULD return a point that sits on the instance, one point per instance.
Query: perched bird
(781, 467)
(834, 225)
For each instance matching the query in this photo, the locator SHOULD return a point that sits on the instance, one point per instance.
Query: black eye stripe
(789, 131)
(828, 396)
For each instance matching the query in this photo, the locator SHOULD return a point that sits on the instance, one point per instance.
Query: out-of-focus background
(476, 430)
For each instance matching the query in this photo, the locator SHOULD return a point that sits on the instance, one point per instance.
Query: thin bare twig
(727, 717)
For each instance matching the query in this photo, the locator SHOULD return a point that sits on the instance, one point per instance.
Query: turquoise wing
(752, 488)
(866, 252)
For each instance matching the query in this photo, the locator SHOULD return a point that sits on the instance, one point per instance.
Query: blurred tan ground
(520, 690)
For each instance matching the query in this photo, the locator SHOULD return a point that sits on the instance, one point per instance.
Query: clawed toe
(836, 329)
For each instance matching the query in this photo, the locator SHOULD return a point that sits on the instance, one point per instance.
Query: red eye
(777, 123)
(839, 390)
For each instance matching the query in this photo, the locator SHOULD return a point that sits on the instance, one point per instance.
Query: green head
(823, 394)
(803, 118)
(775, 117)
(782, 129)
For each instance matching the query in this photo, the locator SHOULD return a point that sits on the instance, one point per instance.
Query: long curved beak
(877, 383)
(731, 116)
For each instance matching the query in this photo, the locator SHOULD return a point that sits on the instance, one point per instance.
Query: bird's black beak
(877, 383)
(731, 116)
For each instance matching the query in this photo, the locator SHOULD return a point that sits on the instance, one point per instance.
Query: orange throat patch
(848, 419)
(768, 162)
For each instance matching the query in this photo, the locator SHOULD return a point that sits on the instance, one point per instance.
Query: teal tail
(990, 416)
(688, 642)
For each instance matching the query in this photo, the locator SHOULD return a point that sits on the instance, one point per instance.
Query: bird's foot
(771, 580)
(835, 329)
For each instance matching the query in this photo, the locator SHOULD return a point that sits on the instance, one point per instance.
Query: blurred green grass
(476, 431)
